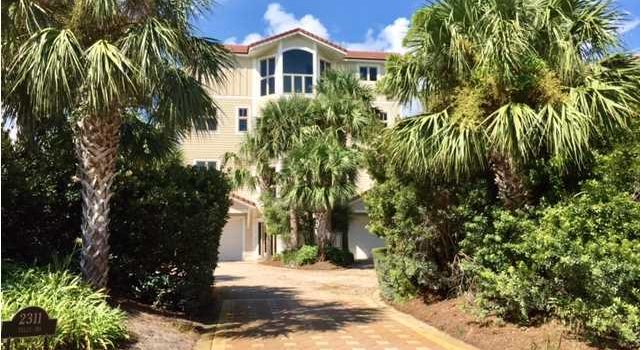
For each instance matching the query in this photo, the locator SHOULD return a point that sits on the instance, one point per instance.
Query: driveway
(266, 307)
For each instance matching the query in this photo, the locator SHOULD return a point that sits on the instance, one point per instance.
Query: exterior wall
(213, 145)
(361, 241)
(242, 90)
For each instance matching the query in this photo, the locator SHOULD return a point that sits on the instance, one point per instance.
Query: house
(287, 63)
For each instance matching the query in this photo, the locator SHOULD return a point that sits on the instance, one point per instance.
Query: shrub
(421, 224)
(580, 262)
(307, 254)
(41, 208)
(166, 227)
(85, 320)
(288, 257)
(339, 257)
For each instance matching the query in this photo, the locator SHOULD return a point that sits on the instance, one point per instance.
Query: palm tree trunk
(295, 231)
(321, 228)
(97, 139)
(512, 189)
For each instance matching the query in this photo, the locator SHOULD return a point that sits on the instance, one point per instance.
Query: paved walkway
(266, 307)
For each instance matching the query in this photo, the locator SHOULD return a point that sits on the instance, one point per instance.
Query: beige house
(287, 63)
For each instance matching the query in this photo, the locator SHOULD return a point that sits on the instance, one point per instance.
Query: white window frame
(293, 79)
(266, 77)
(238, 118)
(368, 67)
(207, 161)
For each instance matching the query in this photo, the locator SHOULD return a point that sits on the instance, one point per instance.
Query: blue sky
(357, 24)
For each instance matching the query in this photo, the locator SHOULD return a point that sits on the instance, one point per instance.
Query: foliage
(40, 200)
(165, 223)
(577, 260)
(395, 282)
(421, 223)
(276, 215)
(165, 242)
(305, 255)
(340, 257)
(85, 320)
(503, 84)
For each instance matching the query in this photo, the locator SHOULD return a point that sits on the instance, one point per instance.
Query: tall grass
(85, 320)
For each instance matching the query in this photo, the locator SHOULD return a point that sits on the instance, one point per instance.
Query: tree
(94, 61)
(319, 174)
(274, 135)
(504, 82)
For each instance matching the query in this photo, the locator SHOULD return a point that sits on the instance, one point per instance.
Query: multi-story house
(287, 63)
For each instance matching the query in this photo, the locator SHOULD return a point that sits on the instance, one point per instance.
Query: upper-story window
(268, 76)
(206, 124)
(324, 66)
(243, 119)
(297, 67)
(384, 118)
(368, 73)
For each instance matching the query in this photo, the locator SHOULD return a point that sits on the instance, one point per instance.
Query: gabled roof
(348, 54)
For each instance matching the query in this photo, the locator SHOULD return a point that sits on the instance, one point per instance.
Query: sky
(356, 24)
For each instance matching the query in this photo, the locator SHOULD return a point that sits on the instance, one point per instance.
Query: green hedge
(580, 261)
(165, 231)
(85, 320)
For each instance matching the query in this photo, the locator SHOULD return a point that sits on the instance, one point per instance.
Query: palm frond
(50, 66)
(513, 130)
(110, 76)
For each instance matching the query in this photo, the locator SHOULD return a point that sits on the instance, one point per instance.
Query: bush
(305, 255)
(166, 227)
(166, 219)
(421, 224)
(85, 320)
(580, 262)
(339, 257)
(41, 208)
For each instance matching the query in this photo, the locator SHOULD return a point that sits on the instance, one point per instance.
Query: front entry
(267, 245)
(231, 242)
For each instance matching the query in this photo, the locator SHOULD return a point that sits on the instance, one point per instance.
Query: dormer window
(368, 73)
(268, 76)
(297, 71)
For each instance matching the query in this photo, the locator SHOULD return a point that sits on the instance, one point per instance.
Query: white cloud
(627, 26)
(278, 21)
(388, 39)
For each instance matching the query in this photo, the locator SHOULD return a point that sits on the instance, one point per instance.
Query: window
(243, 119)
(267, 76)
(383, 118)
(297, 68)
(368, 73)
(207, 124)
(324, 66)
(206, 164)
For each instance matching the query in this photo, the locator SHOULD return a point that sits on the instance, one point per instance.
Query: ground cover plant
(85, 320)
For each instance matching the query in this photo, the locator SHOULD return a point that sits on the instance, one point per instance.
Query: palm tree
(503, 82)
(319, 174)
(344, 104)
(275, 133)
(93, 62)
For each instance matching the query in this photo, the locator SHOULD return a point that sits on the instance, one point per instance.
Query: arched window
(297, 71)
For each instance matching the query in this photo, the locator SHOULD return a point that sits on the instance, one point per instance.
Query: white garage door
(231, 241)
(360, 240)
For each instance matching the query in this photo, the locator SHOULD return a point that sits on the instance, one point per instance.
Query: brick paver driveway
(264, 307)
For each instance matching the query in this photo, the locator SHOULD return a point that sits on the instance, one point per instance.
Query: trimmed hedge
(166, 228)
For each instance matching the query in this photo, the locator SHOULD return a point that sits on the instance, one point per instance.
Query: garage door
(360, 240)
(231, 241)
